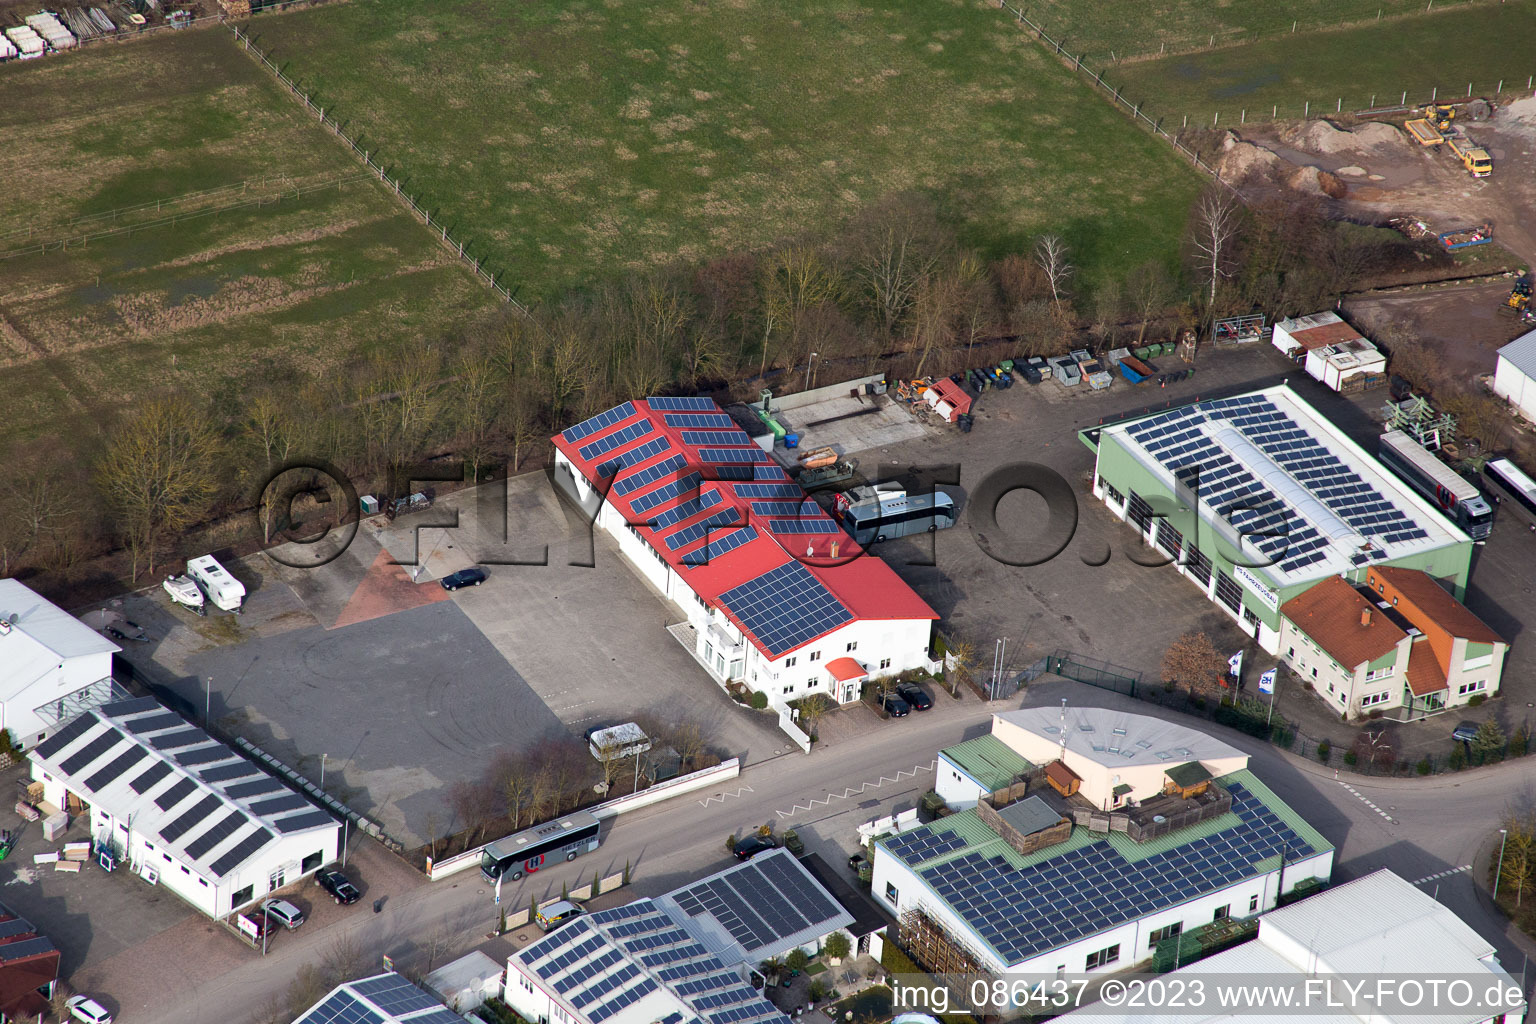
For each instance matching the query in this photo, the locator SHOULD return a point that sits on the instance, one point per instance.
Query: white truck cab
(222, 589)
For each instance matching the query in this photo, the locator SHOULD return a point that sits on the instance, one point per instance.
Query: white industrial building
(1331, 351)
(682, 958)
(1379, 926)
(1133, 830)
(52, 665)
(775, 594)
(180, 809)
(1514, 376)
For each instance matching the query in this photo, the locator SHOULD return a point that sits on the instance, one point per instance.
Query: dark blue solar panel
(722, 455)
(698, 531)
(786, 508)
(618, 438)
(601, 421)
(719, 544)
(803, 526)
(634, 456)
(663, 404)
(768, 490)
(685, 510)
(785, 607)
(395, 995)
(700, 420)
(734, 436)
(632, 482)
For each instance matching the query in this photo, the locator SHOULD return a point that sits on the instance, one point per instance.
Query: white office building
(1133, 830)
(1514, 375)
(180, 809)
(52, 665)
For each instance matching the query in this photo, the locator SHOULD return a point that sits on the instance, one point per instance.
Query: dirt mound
(1523, 111)
(1240, 160)
(1324, 138)
(1314, 181)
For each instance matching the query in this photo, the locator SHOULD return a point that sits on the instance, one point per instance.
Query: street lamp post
(266, 924)
(322, 773)
(1504, 832)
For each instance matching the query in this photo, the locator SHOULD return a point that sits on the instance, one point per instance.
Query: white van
(619, 741)
(555, 914)
(222, 589)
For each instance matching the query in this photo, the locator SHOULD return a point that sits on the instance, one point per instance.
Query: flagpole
(1272, 688)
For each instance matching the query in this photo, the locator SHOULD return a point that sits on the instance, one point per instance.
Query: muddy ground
(1460, 320)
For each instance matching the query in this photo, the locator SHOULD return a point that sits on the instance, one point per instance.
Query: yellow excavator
(1440, 115)
(1519, 296)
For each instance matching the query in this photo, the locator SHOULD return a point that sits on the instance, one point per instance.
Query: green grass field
(572, 140)
(1441, 50)
(1096, 30)
(211, 303)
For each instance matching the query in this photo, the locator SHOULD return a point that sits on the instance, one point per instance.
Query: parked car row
(904, 699)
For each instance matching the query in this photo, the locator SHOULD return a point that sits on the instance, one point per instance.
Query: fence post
(1306, 109)
(1404, 102)
(1340, 108)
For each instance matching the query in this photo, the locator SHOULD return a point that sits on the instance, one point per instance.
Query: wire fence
(62, 243)
(377, 169)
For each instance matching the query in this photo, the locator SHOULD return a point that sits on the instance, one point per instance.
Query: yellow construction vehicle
(1519, 296)
(1472, 156)
(1440, 115)
(1424, 133)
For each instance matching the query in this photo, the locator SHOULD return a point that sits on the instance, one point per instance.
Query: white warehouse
(181, 809)
(777, 595)
(52, 665)
(1134, 830)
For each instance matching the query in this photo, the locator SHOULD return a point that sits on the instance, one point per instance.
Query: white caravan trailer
(222, 589)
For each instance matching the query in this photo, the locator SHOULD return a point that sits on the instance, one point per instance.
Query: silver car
(284, 913)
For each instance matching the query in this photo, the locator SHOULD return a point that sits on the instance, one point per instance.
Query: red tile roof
(1330, 612)
(1425, 675)
(664, 447)
(845, 669)
(1325, 334)
(1427, 599)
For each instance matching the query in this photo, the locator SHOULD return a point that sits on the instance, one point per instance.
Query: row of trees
(893, 288)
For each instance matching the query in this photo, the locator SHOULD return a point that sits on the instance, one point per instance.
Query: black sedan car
(895, 706)
(471, 577)
(751, 846)
(914, 695)
(339, 886)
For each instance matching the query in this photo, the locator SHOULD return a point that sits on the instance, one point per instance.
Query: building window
(1167, 931)
(1222, 913)
(1378, 673)
(810, 684)
(1103, 958)
(1290, 652)
(311, 862)
(815, 655)
(853, 646)
(1374, 698)
(885, 662)
(1466, 688)
(789, 689)
(890, 893)
(243, 896)
(1253, 904)
(1343, 698)
(789, 662)
(276, 880)
(1314, 673)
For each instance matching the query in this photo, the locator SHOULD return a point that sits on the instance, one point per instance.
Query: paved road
(1419, 828)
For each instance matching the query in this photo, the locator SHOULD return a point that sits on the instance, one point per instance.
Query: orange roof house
(1343, 623)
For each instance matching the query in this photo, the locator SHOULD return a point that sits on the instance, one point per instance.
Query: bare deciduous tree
(1151, 292)
(1194, 661)
(1051, 256)
(1214, 230)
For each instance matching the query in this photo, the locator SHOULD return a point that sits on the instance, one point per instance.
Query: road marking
(721, 796)
(1367, 803)
(847, 793)
(1442, 874)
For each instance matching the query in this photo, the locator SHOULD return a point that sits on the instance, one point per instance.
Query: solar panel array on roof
(179, 738)
(394, 995)
(768, 490)
(685, 510)
(762, 905)
(666, 493)
(90, 752)
(203, 755)
(619, 438)
(719, 544)
(153, 774)
(634, 456)
(729, 519)
(805, 526)
(341, 1007)
(176, 793)
(131, 706)
(700, 420)
(277, 805)
(23, 948)
(154, 723)
(786, 508)
(1021, 912)
(785, 607)
(256, 787)
(602, 420)
(115, 767)
(733, 436)
(237, 854)
(753, 454)
(666, 403)
(64, 737)
(924, 844)
(225, 772)
(216, 834)
(15, 926)
(196, 815)
(632, 482)
(300, 822)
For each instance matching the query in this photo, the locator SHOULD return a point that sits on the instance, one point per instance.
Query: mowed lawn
(1097, 30)
(1481, 45)
(572, 140)
(218, 300)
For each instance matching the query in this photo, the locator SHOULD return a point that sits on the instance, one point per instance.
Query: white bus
(887, 515)
(1513, 488)
(526, 852)
(1421, 469)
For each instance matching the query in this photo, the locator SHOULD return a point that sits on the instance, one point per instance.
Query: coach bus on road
(526, 852)
(1421, 469)
(1515, 490)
